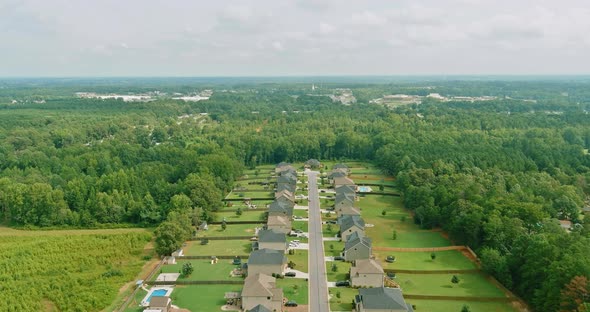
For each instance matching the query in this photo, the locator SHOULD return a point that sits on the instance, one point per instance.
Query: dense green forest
(496, 175)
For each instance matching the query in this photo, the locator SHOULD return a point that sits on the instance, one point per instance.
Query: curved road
(318, 286)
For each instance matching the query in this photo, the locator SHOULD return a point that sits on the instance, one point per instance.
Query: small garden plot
(204, 270)
(333, 248)
(344, 303)
(469, 285)
(218, 248)
(294, 289)
(444, 260)
(202, 297)
(341, 273)
(445, 306)
(215, 230)
(300, 258)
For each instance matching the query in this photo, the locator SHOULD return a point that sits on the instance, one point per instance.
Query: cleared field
(215, 230)
(445, 260)
(445, 306)
(218, 247)
(474, 285)
(295, 289)
(232, 216)
(204, 270)
(342, 270)
(202, 297)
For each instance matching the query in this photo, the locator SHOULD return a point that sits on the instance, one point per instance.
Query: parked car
(342, 284)
(390, 274)
(340, 258)
(298, 231)
(291, 274)
(295, 241)
(331, 222)
(390, 259)
(291, 304)
(293, 234)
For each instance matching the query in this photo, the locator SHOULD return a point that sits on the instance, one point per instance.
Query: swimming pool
(157, 293)
(365, 189)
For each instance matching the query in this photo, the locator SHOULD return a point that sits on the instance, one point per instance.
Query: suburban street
(318, 287)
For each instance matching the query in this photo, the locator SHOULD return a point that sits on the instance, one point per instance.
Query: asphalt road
(318, 285)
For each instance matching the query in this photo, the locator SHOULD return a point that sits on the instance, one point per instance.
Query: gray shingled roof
(260, 308)
(336, 174)
(348, 221)
(340, 166)
(344, 197)
(383, 298)
(354, 239)
(267, 256)
(346, 189)
(270, 236)
(280, 207)
(286, 186)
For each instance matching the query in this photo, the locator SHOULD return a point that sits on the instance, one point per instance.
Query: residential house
(283, 166)
(312, 164)
(285, 194)
(346, 189)
(281, 208)
(566, 225)
(339, 181)
(350, 224)
(286, 186)
(259, 308)
(343, 200)
(278, 223)
(348, 211)
(261, 290)
(341, 167)
(266, 261)
(357, 248)
(381, 299)
(270, 239)
(160, 304)
(366, 273)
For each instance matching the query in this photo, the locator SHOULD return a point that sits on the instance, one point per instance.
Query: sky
(293, 37)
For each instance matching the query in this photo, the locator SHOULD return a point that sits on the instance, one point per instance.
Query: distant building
(159, 304)
(312, 164)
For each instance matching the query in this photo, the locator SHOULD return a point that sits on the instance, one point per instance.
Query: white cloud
(278, 46)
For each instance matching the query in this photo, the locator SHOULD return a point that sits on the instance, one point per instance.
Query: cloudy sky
(293, 37)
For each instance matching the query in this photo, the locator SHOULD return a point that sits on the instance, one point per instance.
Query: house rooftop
(159, 301)
(343, 181)
(346, 189)
(258, 285)
(270, 236)
(277, 220)
(383, 298)
(259, 308)
(366, 266)
(267, 256)
(348, 221)
(354, 240)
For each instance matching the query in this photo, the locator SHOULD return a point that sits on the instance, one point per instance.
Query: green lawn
(303, 226)
(134, 305)
(445, 306)
(202, 297)
(204, 270)
(300, 213)
(300, 258)
(344, 303)
(338, 247)
(343, 268)
(215, 230)
(475, 285)
(445, 260)
(330, 230)
(299, 295)
(246, 216)
(253, 194)
(218, 247)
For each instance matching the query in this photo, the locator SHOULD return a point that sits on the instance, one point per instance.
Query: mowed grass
(445, 306)
(218, 248)
(300, 213)
(300, 258)
(344, 303)
(203, 270)
(299, 293)
(249, 194)
(445, 260)
(300, 225)
(215, 230)
(134, 305)
(232, 216)
(202, 297)
(342, 270)
(470, 285)
(333, 248)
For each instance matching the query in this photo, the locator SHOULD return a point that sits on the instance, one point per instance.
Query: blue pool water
(364, 189)
(157, 293)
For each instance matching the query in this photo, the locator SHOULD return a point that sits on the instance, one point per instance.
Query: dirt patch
(48, 305)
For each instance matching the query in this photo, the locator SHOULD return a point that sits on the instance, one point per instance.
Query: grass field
(253, 194)
(215, 230)
(202, 297)
(204, 270)
(475, 285)
(303, 226)
(445, 260)
(445, 306)
(246, 216)
(300, 258)
(300, 294)
(134, 305)
(344, 303)
(300, 213)
(335, 251)
(343, 268)
(218, 247)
